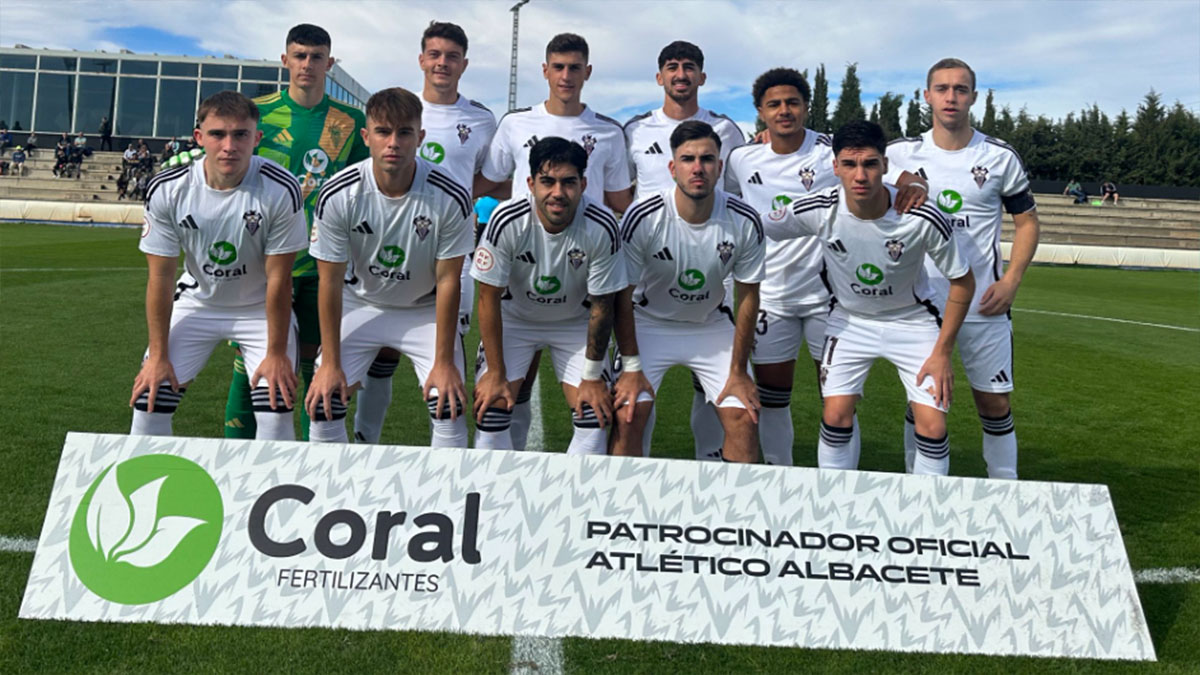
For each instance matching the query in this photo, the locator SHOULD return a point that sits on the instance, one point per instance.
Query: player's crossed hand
(328, 381)
(630, 385)
(491, 391)
(279, 373)
(154, 372)
(595, 394)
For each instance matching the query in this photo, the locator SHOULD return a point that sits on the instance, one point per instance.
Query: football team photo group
(325, 242)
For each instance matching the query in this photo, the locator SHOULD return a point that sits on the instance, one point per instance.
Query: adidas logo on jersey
(922, 174)
(188, 223)
(531, 142)
(527, 257)
(654, 149)
(1000, 378)
(664, 254)
(363, 228)
(755, 179)
(837, 246)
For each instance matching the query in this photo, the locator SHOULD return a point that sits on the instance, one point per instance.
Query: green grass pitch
(1097, 402)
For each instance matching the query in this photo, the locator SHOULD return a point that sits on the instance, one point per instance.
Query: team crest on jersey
(464, 132)
(422, 224)
(252, 219)
(895, 248)
(981, 175)
(725, 251)
(575, 256)
(806, 177)
(589, 142)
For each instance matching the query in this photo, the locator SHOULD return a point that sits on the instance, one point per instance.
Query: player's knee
(382, 367)
(444, 413)
(837, 417)
(337, 411)
(165, 401)
(495, 420)
(737, 422)
(931, 428)
(992, 404)
(587, 420)
(261, 397)
(774, 397)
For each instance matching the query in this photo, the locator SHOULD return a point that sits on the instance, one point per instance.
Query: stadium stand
(1136, 223)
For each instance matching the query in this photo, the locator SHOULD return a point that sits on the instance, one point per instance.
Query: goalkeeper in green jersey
(314, 137)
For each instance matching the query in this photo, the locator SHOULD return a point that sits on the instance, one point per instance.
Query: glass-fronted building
(146, 96)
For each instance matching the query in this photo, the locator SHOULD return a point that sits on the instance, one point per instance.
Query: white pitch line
(1108, 318)
(6, 270)
(17, 544)
(1167, 575)
(536, 655)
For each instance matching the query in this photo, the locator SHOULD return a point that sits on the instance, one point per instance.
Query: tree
(874, 116)
(849, 107)
(988, 126)
(818, 111)
(912, 121)
(889, 115)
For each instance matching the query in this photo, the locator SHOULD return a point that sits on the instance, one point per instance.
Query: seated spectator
(123, 186)
(142, 181)
(1076, 190)
(31, 144)
(144, 160)
(5, 139)
(76, 160)
(61, 157)
(129, 158)
(1109, 189)
(64, 143)
(18, 162)
(82, 143)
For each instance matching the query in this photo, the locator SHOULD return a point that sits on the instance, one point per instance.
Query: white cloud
(1051, 57)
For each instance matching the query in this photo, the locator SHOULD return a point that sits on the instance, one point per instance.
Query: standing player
(548, 267)
(457, 133)
(881, 308)
(974, 178)
(680, 245)
(239, 221)
(313, 137)
(563, 114)
(680, 74)
(401, 227)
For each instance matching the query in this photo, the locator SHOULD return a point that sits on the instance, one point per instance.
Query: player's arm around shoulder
(805, 216)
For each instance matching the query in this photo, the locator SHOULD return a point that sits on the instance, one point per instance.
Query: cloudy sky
(1052, 57)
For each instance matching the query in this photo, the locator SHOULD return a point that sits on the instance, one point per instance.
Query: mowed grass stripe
(1096, 402)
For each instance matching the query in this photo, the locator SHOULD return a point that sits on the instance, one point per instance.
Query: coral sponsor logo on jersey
(546, 286)
(222, 255)
(388, 259)
(870, 276)
(316, 161)
(780, 202)
(949, 201)
(433, 152)
(690, 280)
(145, 528)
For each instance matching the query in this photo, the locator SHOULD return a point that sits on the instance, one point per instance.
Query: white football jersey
(876, 268)
(549, 276)
(225, 235)
(680, 268)
(600, 136)
(392, 244)
(970, 186)
(649, 139)
(767, 181)
(457, 137)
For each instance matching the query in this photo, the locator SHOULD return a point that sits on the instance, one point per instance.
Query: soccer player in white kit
(457, 133)
(239, 220)
(680, 245)
(648, 136)
(974, 177)
(563, 114)
(401, 227)
(881, 298)
(549, 267)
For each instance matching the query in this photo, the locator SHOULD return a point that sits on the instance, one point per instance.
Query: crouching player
(239, 221)
(401, 227)
(548, 266)
(881, 296)
(680, 245)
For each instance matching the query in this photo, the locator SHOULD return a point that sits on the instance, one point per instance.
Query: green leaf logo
(433, 152)
(222, 253)
(949, 201)
(391, 256)
(145, 528)
(547, 285)
(780, 201)
(316, 161)
(691, 279)
(869, 274)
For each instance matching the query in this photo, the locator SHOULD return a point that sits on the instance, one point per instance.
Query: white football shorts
(778, 333)
(197, 329)
(986, 348)
(704, 349)
(567, 342)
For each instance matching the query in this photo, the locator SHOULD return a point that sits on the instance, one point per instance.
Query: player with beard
(457, 133)
(680, 245)
(548, 267)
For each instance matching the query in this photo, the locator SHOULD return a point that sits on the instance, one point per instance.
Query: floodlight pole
(512, 64)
